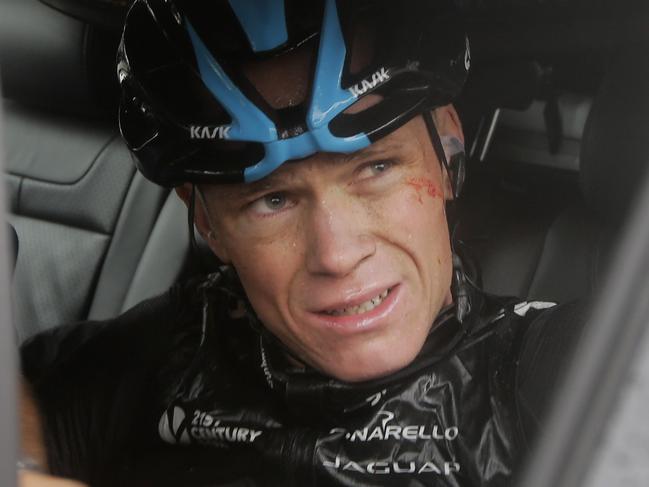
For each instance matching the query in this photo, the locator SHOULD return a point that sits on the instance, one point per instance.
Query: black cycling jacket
(181, 391)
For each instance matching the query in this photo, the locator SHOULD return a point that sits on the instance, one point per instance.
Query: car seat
(551, 237)
(95, 237)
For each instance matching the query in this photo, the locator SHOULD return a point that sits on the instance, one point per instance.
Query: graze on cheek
(424, 186)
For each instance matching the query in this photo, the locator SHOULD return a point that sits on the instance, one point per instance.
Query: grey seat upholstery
(95, 237)
(555, 245)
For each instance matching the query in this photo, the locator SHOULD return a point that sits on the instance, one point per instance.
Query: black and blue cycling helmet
(189, 113)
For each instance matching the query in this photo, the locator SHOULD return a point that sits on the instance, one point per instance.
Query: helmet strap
(459, 288)
(455, 165)
(196, 254)
(191, 211)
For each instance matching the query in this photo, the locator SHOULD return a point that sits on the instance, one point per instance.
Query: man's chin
(361, 367)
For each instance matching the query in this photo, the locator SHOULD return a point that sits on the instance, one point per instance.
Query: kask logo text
(371, 82)
(208, 132)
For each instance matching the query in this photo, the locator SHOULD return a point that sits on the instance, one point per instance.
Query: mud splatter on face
(424, 185)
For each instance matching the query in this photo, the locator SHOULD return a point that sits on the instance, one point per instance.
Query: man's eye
(376, 168)
(271, 203)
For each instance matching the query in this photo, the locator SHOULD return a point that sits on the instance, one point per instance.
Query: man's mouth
(364, 307)
(360, 314)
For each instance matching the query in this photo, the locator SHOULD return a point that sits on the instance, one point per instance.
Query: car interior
(95, 237)
(555, 112)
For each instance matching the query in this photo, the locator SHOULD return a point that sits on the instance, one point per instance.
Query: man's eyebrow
(373, 151)
(273, 179)
(247, 189)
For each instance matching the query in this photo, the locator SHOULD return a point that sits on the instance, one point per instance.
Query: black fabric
(178, 391)
(549, 345)
(92, 382)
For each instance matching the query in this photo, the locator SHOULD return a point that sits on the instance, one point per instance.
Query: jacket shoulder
(137, 330)
(545, 354)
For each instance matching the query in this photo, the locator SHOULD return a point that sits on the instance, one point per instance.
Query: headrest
(52, 61)
(109, 13)
(615, 145)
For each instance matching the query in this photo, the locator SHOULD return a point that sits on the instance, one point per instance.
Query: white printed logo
(264, 365)
(202, 132)
(204, 428)
(383, 468)
(369, 83)
(375, 398)
(397, 432)
(172, 427)
(467, 55)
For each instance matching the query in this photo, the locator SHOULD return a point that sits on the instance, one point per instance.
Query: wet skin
(333, 231)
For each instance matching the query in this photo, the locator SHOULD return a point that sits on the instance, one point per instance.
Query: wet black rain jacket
(180, 391)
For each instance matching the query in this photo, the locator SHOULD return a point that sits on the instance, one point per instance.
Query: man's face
(345, 258)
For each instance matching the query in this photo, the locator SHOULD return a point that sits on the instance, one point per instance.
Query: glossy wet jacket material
(187, 389)
(448, 419)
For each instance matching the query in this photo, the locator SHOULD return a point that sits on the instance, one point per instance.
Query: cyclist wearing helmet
(341, 343)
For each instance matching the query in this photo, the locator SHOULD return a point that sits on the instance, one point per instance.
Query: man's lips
(363, 321)
(352, 301)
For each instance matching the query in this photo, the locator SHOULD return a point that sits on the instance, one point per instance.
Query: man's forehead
(389, 146)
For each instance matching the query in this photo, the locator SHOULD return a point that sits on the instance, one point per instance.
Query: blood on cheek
(424, 186)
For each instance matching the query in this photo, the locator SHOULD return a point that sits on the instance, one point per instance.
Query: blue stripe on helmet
(328, 98)
(248, 122)
(263, 21)
(304, 145)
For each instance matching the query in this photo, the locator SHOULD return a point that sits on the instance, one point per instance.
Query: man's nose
(338, 239)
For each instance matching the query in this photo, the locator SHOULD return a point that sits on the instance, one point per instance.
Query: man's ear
(448, 122)
(448, 126)
(203, 222)
(184, 192)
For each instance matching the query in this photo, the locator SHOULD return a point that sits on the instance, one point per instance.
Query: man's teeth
(361, 308)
